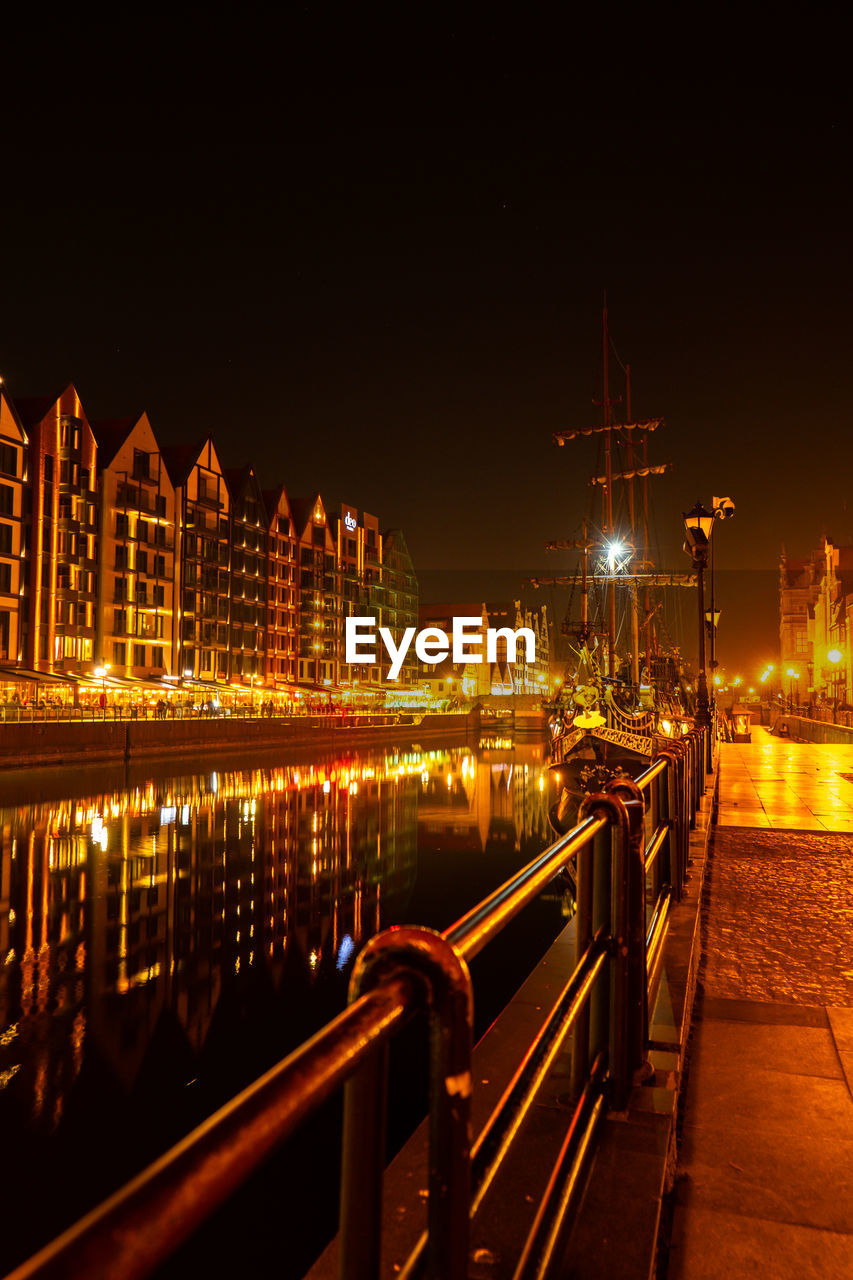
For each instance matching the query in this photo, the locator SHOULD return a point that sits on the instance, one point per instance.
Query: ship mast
(635, 470)
(608, 490)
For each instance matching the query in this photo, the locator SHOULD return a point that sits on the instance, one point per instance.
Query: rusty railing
(630, 851)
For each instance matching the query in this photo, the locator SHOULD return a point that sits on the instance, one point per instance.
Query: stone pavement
(765, 1171)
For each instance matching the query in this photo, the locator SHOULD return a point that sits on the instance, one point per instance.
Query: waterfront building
(14, 508)
(249, 570)
(202, 562)
(525, 676)
(280, 671)
(358, 553)
(136, 574)
(319, 607)
(830, 623)
(63, 531)
(500, 677)
(400, 586)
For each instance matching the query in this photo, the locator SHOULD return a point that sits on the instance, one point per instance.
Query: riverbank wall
(790, 725)
(72, 743)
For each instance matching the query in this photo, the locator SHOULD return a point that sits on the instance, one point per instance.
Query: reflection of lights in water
(345, 951)
(168, 815)
(214, 782)
(424, 777)
(327, 786)
(449, 781)
(185, 815)
(541, 782)
(353, 790)
(312, 959)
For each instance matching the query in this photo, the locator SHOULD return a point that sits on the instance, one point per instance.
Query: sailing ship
(613, 713)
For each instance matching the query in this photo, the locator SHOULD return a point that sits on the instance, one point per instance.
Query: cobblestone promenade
(766, 1159)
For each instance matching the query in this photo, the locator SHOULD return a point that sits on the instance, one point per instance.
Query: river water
(166, 936)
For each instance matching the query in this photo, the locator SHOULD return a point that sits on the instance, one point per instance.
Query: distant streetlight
(699, 525)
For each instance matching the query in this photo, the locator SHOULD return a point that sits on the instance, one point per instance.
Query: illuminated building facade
(202, 563)
(400, 594)
(136, 578)
(319, 602)
(358, 551)
(249, 569)
(63, 532)
(124, 562)
(14, 508)
(501, 677)
(282, 593)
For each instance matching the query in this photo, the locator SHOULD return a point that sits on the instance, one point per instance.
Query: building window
(48, 467)
(141, 465)
(121, 557)
(7, 500)
(119, 621)
(157, 656)
(6, 539)
(139, 655)
(8, 459)
(120, 654)
(121, 524)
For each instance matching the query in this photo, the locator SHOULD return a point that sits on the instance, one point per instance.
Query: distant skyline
(370, 259)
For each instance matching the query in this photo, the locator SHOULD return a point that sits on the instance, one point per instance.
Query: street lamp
(792, 675)
(834, 656)
(699, 525)
(101, 673)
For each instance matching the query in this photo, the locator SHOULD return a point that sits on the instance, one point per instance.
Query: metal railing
(630, 850)
(32, 713)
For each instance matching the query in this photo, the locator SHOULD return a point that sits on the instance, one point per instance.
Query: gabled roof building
(136, 578)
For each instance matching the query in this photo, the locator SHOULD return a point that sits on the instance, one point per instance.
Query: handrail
(630, 832)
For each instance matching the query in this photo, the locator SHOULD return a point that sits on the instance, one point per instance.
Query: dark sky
(369, 255)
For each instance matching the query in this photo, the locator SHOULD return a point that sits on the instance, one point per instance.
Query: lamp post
(792, 675)
(834, 656)
(699, 525)
(101, 673)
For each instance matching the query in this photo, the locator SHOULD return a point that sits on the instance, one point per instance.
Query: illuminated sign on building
(350, 518)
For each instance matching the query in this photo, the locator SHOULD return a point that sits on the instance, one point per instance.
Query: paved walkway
(766, 1160)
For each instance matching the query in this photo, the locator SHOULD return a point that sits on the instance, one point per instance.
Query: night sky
(369, 255)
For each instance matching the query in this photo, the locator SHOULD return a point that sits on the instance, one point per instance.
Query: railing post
(673, 753)
(621, 1036)
(448, 996)
(637, 1020)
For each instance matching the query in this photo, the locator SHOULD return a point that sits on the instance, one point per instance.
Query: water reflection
(153, 936)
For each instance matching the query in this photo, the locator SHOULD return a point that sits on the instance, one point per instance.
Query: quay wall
(69, 743)
(795, 726)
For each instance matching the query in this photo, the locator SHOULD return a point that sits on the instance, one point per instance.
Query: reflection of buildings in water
(120, 914)
(496, 798)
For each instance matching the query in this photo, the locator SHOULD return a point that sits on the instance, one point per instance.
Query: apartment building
(400, 598)
(249, 568)
(319, 601)
(134, 629)
(280, 665)
(15, 497)
(358, 558)
(63, 532)
(202, 562)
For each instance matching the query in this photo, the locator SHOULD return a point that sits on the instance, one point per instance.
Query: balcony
(208, 499)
